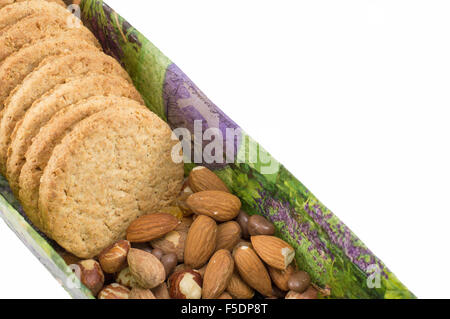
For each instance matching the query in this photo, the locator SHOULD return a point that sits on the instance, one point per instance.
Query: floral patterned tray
(340, 265)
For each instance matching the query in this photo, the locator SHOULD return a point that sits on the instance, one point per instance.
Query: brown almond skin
(238, 288)
(151, 226)
(200, 241)
(139, 293)
(203, 179)
(218, 274)
(92, 275)
(114, 291)
(270, 250)
(114, 259)
(252, 270)
(259, 225)
(225, 295)
(219, 205)
(281, 277)
(228, 235)
(146, 269)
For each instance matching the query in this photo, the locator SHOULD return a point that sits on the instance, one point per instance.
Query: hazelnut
(114, 258)
(125, 278)
(181, 267)
(258, 225)
(174, 241)
(142, 246)
(161, 292)
(277, 292)
(158, 253)
(91, 275)
(140, 293)
(114, 291)
(281, 277)
(185, 284)
(299, 281)
(310, 293)
(169, 262)
(242, 220)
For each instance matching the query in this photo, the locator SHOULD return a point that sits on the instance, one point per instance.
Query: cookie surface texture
(114, 166)
(53, 71)
(51, 135)
(45, 107)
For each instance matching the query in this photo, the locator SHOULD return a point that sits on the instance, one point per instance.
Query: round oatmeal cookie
(4, 3)
(51, 72)
(35, 28)
(110, 169)
(17, 66)
(44, 108)
(14, 12)
(51, 135)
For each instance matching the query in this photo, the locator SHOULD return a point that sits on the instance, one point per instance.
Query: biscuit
(48, 137)
(51, 72)
(19, 10)
(4, 3)
(17, 66)
(34, 28)
(44, 108)
(113, 167)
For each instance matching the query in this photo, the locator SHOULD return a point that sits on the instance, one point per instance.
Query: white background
(352, 96)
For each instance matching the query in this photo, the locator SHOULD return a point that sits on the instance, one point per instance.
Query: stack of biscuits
(77, 145)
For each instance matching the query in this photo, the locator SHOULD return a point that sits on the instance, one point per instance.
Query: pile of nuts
(204, 246)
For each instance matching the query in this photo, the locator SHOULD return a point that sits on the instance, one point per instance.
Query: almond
(174, 241)
(218, 274)
(281, 277)
(238, 288)
(146, 269)
(200, 242)
(203, 179)
(151, 226)
(252, 270)
(225, 295)
(114, 258)
(228, 235)
(274, 251)
(139, 293)
(219, 205)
